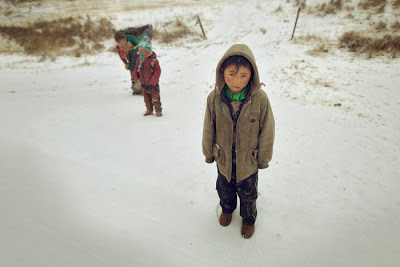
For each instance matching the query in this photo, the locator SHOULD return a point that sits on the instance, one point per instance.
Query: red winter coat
(149, 73)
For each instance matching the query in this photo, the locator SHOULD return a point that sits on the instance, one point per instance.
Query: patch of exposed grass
(320, 82)
(301, 3)
(381, 26)
(278, 9)
(328, 8)
(396, 4)
(309, 38)
(320, 45)
(319, 49)
(376, 5)
(66, 36)
(26, 1)
(359, 43)
(331, 7)
(395, 26)
(171, 31)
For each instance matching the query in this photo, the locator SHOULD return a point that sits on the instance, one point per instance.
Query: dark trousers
(152, 98)
(247, 192)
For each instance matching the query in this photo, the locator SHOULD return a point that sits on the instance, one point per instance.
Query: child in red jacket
(148, 72)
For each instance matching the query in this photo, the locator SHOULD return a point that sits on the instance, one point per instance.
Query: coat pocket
(251, 157)
(218, 154)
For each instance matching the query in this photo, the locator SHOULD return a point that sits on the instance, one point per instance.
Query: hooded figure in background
(127, 48)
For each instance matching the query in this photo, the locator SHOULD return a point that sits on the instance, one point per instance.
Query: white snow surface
(87, 180)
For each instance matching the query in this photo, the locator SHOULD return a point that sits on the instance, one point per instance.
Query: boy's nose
(236, 80)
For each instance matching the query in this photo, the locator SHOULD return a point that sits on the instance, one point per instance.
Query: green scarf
(232, 97)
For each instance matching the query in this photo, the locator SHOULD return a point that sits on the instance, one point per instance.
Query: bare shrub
(358, 42)
(65, 36)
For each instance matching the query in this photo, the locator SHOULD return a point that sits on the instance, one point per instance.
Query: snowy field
(86, 180)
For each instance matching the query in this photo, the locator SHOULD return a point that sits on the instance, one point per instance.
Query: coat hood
(238, 50)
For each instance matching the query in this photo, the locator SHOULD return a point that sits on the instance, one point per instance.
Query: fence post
(295, 24)
(201, 26)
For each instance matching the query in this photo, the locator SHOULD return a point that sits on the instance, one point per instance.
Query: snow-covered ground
(86, 180)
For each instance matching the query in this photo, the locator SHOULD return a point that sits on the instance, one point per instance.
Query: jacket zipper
(234, 125)
(237, 121)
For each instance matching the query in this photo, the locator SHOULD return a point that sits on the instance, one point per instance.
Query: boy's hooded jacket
(255, 126)
(149, 72)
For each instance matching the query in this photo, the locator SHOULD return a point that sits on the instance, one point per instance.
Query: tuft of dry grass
(396, 4)
(395, 26)
(381, 26)
(26, 1)
(319, 49)
(377, 5)
(263, 30)
(301, 3)
(310, 38)
(65, 36)
(278, 9)
(359, 43)
(171, 31)
(320, 82)
(328, 8)
(320, 44)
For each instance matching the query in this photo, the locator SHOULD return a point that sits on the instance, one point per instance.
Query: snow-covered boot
(247, 230)
(225, 219)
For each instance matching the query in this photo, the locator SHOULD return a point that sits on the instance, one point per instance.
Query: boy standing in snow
(127, 48)
(148, 71)
(238, 133)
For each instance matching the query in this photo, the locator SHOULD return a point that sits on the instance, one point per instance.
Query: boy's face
(237, 79)
(143, 52)
(121, 42)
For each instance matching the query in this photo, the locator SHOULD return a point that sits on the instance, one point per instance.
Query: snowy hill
(86, 180)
